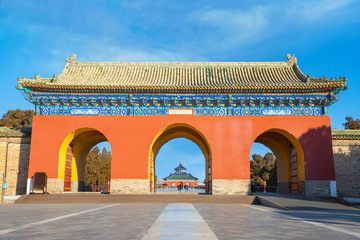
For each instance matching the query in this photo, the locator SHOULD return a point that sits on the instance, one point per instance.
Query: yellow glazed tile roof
(142, 76)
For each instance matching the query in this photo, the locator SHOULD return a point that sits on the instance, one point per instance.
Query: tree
(263, 169)
(351, 123)
(17, 118)
(97, 167)
(106, 155)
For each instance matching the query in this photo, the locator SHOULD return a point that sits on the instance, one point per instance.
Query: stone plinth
(130, 186)
(231, 187)
(55, 185)
(317, 188)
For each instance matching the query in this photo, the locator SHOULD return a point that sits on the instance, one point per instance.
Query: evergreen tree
(263, 169)
(351, 123)
(17, 118)
(98, 166)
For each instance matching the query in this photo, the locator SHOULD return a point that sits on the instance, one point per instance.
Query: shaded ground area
(300, 202)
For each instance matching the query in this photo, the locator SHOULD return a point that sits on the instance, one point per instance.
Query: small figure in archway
(89, 187)
(97, 185)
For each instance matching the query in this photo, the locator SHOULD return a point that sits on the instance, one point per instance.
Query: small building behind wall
(223, 107)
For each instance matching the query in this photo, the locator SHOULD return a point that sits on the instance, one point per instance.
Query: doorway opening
(263, 175)
(180, 131)
(98, 168)
(72, 160)
(180, 168)
(288, 162)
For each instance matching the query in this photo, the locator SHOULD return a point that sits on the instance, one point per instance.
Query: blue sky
(36, 37)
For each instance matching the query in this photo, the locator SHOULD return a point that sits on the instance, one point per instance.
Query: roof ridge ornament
(291, 60)
(71, 60)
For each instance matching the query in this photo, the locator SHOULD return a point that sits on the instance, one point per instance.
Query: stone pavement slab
(180, 221)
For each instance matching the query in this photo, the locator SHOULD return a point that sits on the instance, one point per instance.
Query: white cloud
(230, 28)
(314, 10)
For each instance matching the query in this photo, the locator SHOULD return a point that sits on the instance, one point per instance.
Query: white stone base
(130, 186)
(230, 187)
(55, 185)
(74, 186)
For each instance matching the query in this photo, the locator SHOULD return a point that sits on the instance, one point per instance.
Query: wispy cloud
(314, 10)
(231, 28)
(227, 29)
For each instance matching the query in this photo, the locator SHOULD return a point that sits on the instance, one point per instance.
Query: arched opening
(263, 174)
(289, 160)
(180, 131)
(98, 168)
(180, 168)
(72, 158)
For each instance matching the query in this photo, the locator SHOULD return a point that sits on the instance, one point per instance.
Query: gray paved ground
(134, 220)
(256, 222)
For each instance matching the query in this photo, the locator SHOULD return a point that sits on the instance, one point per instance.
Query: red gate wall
(230, 139)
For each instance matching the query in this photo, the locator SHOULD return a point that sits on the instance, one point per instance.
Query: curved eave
(298, 88)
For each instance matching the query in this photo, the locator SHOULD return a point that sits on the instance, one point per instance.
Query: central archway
(290, 160)
(180, 131)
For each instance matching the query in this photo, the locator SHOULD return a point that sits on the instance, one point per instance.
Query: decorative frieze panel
(179, 101)
(149, 111)
(201, 105)
(210, 111)
(83, 111)
(271, 111)
(198, 111)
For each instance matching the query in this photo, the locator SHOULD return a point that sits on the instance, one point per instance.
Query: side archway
(289, 157)
(180, 131)
(72, 156)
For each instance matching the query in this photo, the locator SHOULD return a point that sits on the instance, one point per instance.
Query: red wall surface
(229, 137)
